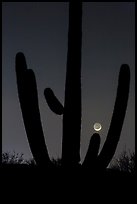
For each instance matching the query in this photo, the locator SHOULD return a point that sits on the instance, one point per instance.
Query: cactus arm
(119, 112)
(27, 91)
(72, 102)
(53, 102)
(92, 153)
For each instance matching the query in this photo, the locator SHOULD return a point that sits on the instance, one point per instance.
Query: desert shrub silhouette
(13, 158)
(125, 162)
(27, 91)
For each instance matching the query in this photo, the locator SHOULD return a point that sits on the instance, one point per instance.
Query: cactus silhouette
(108, 150)
(28, 97)
(71, 110)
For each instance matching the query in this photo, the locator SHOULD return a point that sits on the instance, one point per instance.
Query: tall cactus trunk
(72, 104)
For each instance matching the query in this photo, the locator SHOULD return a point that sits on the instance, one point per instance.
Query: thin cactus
(117, 120)
(27, 91)
(71, 110)
(103, 159)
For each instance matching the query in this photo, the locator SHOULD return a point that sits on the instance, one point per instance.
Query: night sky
(40, 31)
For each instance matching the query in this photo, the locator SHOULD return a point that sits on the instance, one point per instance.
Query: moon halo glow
(97, 127)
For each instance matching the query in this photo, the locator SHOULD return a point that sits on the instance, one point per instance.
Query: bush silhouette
(12, 158)
(71, 110)
(125, 162)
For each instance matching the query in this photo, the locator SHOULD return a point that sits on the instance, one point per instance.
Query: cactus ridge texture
(71, 111)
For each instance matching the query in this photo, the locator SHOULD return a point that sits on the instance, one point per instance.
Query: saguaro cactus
(72, 105)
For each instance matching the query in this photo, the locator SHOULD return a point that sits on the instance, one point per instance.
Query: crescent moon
(97, 127)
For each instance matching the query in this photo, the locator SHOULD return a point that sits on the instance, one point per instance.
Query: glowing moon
(97, 127)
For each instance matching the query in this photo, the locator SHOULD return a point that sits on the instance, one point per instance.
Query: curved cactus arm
(27, 91)
(113, 136)
(92, 152)
(53, 102)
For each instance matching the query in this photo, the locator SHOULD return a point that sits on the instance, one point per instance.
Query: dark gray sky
(40, 29)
